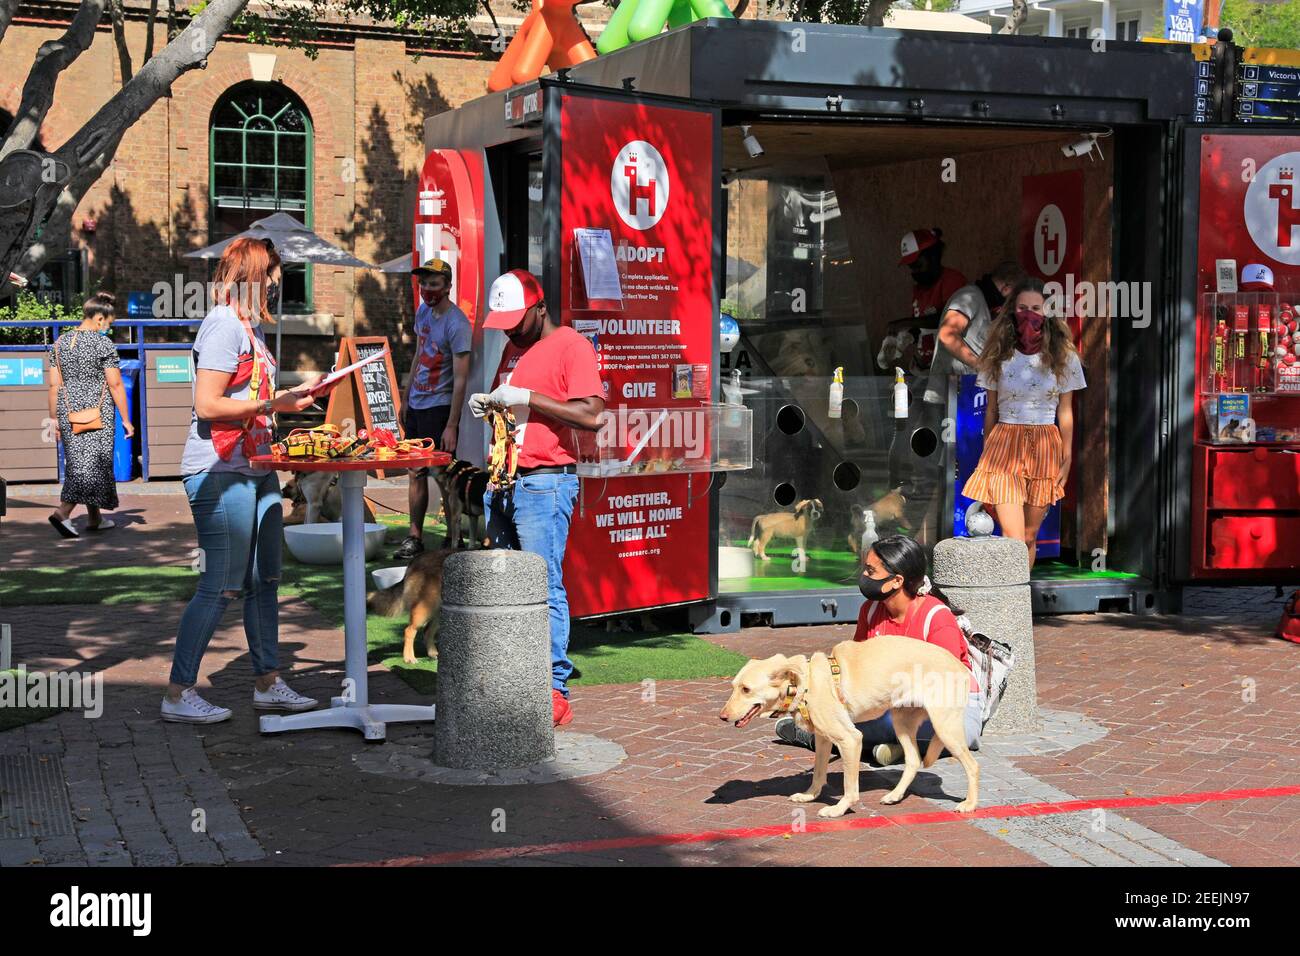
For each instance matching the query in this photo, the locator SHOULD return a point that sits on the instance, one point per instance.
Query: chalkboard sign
(368, 398)
(378, 389)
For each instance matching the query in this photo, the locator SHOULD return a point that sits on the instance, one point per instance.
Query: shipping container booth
(769, 171)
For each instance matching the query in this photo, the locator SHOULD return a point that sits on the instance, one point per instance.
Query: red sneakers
(1289, 627)
(560, 709)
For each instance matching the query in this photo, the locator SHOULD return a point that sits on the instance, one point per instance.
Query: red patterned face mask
(1029, 331)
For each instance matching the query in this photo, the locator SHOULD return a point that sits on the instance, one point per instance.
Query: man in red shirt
(934, 285)
(551, 383)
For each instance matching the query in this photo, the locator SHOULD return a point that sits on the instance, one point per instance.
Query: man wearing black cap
(435, 388)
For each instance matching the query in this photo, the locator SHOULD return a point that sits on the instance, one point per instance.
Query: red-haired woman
(236, 508)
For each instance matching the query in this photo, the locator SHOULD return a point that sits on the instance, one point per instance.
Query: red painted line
(832, 826)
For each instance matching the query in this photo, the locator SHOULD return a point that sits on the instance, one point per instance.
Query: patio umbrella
(401, 264)
(295, 243)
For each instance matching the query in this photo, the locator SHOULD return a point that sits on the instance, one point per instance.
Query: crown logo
(1286, 172)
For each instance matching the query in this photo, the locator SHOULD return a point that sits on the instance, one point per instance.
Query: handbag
(85, 419)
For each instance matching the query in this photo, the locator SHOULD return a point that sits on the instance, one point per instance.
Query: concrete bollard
(494, 663)
(988, 578)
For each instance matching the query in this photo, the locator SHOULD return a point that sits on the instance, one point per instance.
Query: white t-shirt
(1028, 392)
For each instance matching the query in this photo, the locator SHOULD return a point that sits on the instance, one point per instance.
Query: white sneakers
(281, 697)
(193, 709)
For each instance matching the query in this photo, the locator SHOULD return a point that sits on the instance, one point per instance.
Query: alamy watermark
(64, 690)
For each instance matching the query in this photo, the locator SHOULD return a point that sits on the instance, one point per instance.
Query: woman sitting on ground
(901, 600)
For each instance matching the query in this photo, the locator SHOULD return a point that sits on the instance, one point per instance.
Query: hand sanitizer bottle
(837, 394)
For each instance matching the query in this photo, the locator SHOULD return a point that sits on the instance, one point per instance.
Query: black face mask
(273, 296)
(873, 588)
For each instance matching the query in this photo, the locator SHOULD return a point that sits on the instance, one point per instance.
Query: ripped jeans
(240, 521)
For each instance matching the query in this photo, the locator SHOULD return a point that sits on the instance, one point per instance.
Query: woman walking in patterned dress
(84, 374)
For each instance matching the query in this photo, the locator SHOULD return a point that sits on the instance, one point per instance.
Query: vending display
(1245, 520)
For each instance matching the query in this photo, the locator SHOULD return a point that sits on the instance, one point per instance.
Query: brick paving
(1140, 706)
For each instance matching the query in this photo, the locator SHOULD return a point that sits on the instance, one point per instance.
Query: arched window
(261, 151)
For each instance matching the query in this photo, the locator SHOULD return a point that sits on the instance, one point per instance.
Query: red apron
(252, 432)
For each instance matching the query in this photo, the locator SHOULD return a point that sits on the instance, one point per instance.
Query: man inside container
(435, 388)
(551, 382)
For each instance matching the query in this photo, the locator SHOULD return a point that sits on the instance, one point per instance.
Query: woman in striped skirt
(1031, 371)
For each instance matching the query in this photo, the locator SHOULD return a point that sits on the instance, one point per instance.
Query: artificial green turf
(1051, 571)
(601, 657)
(826, 569)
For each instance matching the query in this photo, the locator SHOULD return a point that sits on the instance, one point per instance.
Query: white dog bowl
(735, 563)
(323, 543)
(385, 578)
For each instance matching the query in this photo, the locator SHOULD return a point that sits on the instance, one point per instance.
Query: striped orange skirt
(1020, 466)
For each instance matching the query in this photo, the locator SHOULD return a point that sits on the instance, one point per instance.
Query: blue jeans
(534, 516)
(881, 730)
(240, 522)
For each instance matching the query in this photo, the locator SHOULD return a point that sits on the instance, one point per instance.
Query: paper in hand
(333, 378)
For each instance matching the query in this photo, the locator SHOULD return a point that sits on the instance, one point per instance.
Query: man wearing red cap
(551, 383)
(935, 283)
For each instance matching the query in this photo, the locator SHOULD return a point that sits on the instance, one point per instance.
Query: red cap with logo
(916, 242)
(510, 297)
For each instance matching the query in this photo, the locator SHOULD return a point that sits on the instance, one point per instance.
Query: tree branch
(119, 38)
(90, 150)
(148, 36)
(1019, 13)
(52, 58)
(876, 10)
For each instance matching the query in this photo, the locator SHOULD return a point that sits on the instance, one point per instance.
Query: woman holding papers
(236, 508)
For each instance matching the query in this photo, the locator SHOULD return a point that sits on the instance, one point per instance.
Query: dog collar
(792, 699)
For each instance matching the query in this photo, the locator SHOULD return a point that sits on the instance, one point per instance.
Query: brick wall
(367, 104)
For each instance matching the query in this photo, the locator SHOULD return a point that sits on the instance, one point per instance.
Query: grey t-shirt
(970, 302)
(217, 347)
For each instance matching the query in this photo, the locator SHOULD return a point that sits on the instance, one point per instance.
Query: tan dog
(798, 525)
(420, 592)
(909, 678)
(462, 486)
(890, 508)
(315, 496)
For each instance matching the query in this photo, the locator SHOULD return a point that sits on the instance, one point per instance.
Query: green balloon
(649, 19)
(711, 8)
(614, 36)
(681, 14)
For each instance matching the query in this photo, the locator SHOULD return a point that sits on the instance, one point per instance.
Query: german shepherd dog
(420, 593)
(462, 486)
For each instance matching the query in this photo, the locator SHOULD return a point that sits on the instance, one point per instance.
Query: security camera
(752, 145)
(1082, 147)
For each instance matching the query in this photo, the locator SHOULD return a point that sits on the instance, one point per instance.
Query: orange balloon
(550, 36)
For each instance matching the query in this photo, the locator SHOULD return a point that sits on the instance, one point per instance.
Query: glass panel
(294, 281)
(293, 186)
(228, 180)
(261, 183)
(535, 215)
(293, 150)
(260, 123)
(261, 149)
(229, 116)
(293, 120)
(227, 147)
(793, 288)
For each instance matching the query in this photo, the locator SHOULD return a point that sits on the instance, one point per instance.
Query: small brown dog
(891, 507)
(420, 592)
(909, 678)
(798, 525)
(315, 496)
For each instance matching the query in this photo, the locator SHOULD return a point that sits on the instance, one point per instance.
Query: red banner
(1249, 208)
(646, 174)
(1051, 232)
(449, 223)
